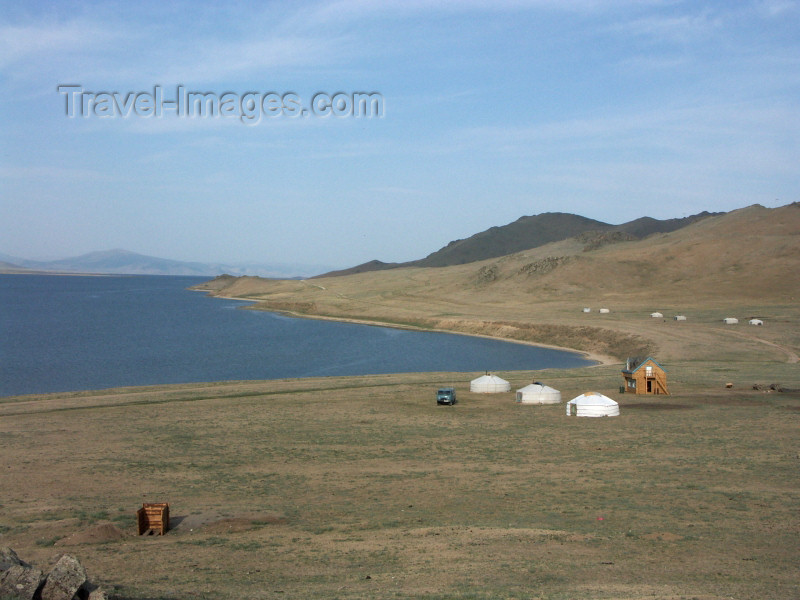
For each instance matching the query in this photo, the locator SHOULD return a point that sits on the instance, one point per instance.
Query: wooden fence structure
(153, 518)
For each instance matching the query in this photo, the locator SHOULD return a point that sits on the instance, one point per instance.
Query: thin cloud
(348, 10)
(21, 43)
(737, 120)
(227, 60)
(683, 28)
(52, 173)
(103, 48)
(774, 8)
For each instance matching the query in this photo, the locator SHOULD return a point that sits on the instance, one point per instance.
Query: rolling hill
(740, 263)
(526, 233)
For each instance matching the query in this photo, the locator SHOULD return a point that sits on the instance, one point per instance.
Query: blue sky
(492, 110)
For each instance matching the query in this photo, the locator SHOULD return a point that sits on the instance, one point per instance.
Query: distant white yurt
(680, 318)
(489, 384)
(604, 311)
(730, 320)
(587, 310)
(538, 393)
(592, 404)
(756, 322)
(656, 315)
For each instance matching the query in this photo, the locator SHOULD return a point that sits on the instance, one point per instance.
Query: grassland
(363, 488)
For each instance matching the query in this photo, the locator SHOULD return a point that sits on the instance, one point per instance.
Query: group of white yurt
(734, 321)
(590, 404)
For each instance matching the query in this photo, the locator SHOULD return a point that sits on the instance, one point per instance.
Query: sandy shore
(599, 359)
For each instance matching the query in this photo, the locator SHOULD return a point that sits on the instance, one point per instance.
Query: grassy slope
(739, 264)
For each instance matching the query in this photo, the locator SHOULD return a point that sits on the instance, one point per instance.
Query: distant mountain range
(531, 232)
(131, 263)
(523, 234)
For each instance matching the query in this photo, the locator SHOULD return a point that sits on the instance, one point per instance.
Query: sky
(484, 111)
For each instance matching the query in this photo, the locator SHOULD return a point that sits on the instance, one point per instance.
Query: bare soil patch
(214, 522)
(656, 406)
(736, 400)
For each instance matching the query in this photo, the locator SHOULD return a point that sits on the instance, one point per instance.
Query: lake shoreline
(598, 359)
(96, 333)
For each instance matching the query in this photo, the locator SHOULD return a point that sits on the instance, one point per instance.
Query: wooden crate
(153, 518)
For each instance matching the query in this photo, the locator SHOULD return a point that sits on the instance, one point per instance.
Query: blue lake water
(68, 333)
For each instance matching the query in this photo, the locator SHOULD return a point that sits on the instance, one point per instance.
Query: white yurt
(587, 309)
(538, 393)
(756, 322)
(680, 317)
(656, 315)
(489, 384)
(592, 404)
(605, 311)
(730, 320)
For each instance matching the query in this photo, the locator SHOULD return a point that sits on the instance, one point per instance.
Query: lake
(70, 333)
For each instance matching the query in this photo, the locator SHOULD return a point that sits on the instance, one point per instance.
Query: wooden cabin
(644, 376)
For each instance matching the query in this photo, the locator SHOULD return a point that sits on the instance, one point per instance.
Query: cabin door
(649, 386)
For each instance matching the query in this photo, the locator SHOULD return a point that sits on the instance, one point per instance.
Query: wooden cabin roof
(634, 363)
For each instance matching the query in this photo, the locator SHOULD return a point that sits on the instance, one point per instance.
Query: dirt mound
(99, 534)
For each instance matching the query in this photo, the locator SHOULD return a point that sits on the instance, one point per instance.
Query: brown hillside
(527, 233)
(742, 263)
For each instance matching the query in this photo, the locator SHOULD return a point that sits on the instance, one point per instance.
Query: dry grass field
(362, 487)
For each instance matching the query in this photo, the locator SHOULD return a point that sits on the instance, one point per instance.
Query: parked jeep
(446, 396)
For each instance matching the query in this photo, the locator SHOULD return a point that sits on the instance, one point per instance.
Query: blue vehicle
(446, 395)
